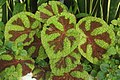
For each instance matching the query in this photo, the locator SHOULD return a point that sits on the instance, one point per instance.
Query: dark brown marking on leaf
(66, 76)
(95, 25)
(104, 37)
(42, 73)
(44, 16)
(82, 26)
(61, 63)
(60, 9)
(52, 29)
(76, 51)
(58, 42)
(65, 23)
(37, 44)
(27, 39)
(31, 20)
(16, 34)
(72, 58)
(72, 39)
(49, 7)
(78, 68)
(97, 50)
(6, 64)
(18, 21)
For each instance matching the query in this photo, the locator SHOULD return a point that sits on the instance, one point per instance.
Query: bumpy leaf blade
(59, 37)
(65, 64)
(14, 62)
(96, 38)
(46, 10)
(21, 28)
(82, 75)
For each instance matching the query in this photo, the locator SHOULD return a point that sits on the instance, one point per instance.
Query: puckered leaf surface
(27, 64)
(62, 65)
(21, 28)
(59, 37)
(95, 38)
(75, 74)
(46, 10)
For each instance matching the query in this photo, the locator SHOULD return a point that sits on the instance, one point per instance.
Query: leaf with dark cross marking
(62, 65)
(47, 10)
(82, 75)
(96, 38)
(59, 37)
(21, 28)
(27, 64)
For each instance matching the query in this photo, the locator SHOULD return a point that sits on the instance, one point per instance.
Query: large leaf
(96, 37)
(46, 10)
(21, 28)
(9, 60)
(75, 74)
(62, 65)
(59, 37)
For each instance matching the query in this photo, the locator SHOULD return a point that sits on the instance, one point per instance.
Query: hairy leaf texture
(59, 37)
(21, 28)
(95, 38)
(47, 10)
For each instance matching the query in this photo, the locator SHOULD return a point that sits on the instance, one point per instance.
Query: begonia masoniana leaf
(62, 65)
(14, 62)
(21, 28)
(82, 75)
(59, 37)
(95, 38)
(47, 10)
(42, 73)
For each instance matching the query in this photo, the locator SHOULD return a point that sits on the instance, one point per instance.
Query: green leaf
(2, 2)
(2, 26)
(80, 15)
(111, 51)
(93, 73)
(87, 67)
(19, 7)
(100, 75)
(23, 52)
(114, 22)
(114, 6)
(104, 67)
(6, 57)
(81, 5)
